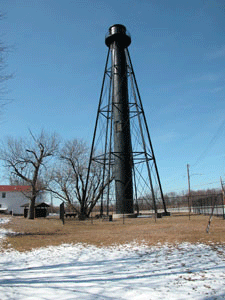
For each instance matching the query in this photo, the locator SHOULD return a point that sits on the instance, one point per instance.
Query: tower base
(121, 216)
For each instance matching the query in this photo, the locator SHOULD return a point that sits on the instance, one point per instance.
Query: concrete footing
(120, 216)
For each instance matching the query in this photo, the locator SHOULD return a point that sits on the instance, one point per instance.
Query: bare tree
(69, 179)
(28, 160)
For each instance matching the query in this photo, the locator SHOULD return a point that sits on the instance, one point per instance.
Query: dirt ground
(173, 229)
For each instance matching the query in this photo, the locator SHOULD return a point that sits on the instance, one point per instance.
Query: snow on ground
(131, 271)
(4, 221)
(3, 231)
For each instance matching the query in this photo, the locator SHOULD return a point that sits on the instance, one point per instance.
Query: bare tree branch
(28, 159)
(70, 178)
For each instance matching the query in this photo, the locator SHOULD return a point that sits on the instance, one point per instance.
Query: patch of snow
(4, 220)
(132, 271)
(3, 231)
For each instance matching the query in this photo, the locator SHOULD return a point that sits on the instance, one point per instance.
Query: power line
(211, 143)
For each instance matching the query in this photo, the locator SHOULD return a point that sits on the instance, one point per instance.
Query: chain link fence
(208, 205)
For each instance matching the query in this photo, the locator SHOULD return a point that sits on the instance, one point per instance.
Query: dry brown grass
(174, 229)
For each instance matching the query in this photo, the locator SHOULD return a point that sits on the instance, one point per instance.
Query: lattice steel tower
(121, 141)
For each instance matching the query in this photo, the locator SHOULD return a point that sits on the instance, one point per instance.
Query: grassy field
(50, 231)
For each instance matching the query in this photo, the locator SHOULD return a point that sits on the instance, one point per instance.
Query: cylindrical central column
(118, 40)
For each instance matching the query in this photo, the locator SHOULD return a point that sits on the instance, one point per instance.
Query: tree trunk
(83, 211)
(82, 215)
(31, 212)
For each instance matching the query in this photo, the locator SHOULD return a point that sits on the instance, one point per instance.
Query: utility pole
(189, 192)
(223, 192)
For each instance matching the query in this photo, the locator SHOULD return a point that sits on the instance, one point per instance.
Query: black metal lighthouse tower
(118, 41)
(121, 141)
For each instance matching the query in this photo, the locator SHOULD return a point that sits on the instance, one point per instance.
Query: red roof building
(14, 188)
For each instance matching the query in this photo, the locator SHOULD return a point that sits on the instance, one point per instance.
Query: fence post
(61, 210)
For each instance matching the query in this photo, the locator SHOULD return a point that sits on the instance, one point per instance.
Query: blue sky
(57, 54)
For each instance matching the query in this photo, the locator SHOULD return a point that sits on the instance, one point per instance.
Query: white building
(12, 197)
